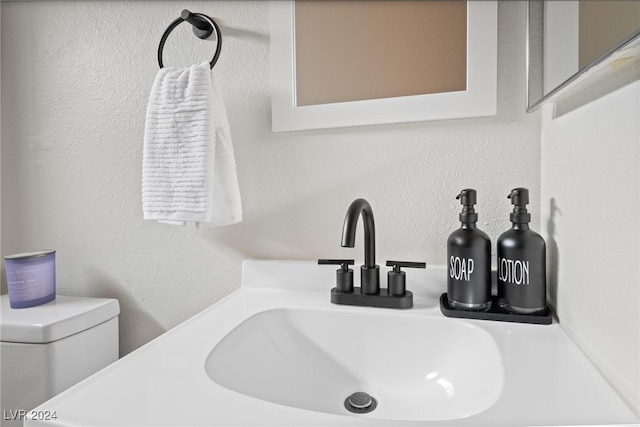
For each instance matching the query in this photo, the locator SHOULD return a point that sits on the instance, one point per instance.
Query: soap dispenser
(521, 266)
(469, 260)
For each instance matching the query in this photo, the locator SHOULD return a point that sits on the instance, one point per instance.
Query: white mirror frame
(479, 99)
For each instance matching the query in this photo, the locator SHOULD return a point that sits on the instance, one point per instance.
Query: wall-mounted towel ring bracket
(203, 26)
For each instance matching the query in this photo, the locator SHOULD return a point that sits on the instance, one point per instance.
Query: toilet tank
(48, 348)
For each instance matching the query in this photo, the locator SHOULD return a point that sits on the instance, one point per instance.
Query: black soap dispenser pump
(469, 260)
(522, 286)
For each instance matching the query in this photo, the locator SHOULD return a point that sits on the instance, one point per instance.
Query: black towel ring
(203, 26)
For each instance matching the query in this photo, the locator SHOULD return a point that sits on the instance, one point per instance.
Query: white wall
(74, 95)
(591, 210)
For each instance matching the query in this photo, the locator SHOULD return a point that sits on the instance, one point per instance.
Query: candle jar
(31, 278)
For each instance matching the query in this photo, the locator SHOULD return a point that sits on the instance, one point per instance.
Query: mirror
(572, 41)
(353, 63)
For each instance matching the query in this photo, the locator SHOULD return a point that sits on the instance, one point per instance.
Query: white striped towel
(188, 168)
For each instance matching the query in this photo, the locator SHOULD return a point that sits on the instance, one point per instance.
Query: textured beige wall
(74, 96)
(355, 50)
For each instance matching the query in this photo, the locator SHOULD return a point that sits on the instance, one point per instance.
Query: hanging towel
(189, 170)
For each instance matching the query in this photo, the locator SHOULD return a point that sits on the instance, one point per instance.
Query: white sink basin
(278, 353)
(416, 368)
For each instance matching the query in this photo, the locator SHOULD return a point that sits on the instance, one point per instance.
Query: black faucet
(369, 292)
(369, 272)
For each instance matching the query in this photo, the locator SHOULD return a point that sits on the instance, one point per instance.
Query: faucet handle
(344, 275)
(396, 279)
(345, 263)
(397, 264)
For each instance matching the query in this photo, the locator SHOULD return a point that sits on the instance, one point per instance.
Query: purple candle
(31, 278)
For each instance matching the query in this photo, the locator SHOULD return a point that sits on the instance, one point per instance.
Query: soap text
(461, 268)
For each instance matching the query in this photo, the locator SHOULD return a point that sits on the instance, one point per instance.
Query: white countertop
(548, 380)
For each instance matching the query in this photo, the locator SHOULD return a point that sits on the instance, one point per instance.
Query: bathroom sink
(415, 368)
(278, 353)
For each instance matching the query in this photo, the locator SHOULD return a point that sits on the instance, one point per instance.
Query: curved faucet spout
(357, 207)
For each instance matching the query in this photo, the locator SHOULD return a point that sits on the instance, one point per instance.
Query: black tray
(544, 318)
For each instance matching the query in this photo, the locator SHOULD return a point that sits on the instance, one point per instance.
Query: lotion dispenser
(469, 260)
(522, 285)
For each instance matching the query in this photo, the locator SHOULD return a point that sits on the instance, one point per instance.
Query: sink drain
(360, 403)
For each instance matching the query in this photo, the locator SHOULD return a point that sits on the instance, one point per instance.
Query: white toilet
(48, 348)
